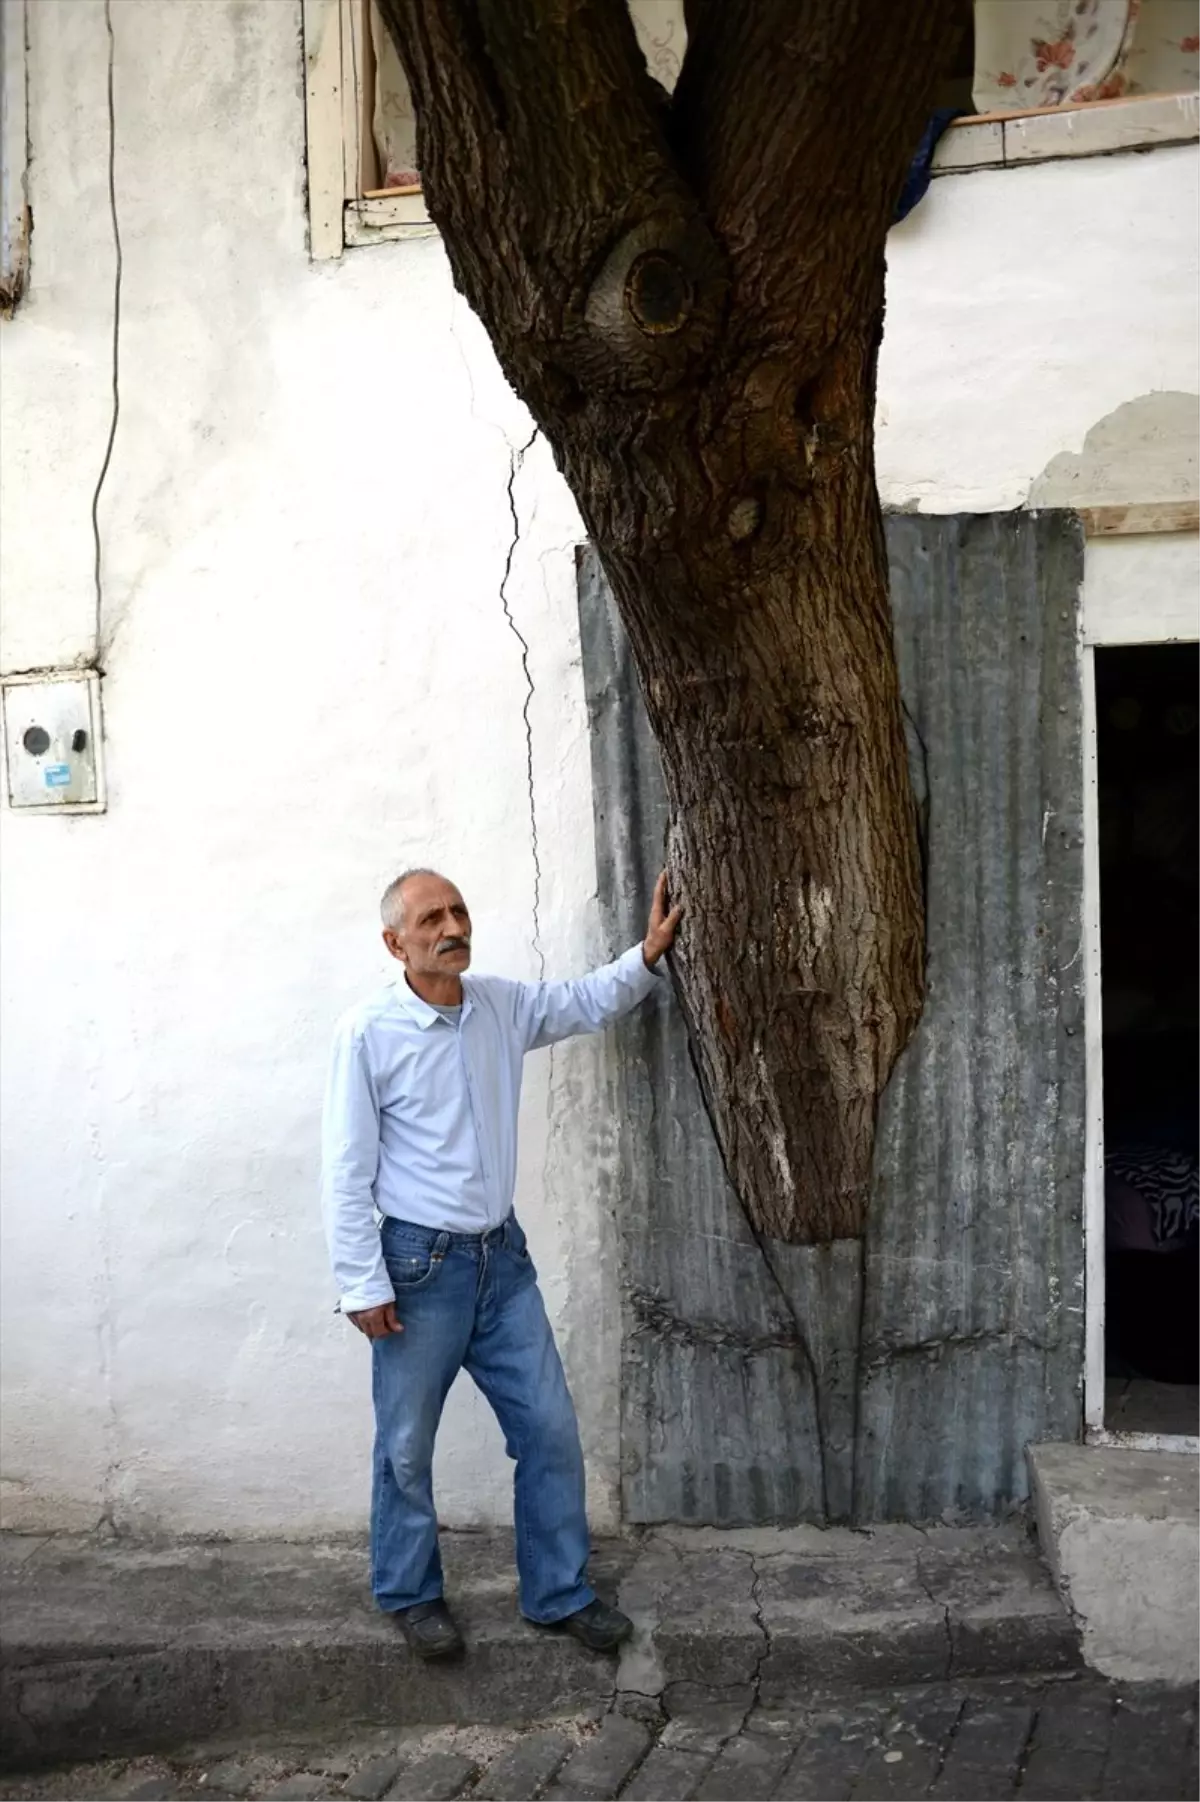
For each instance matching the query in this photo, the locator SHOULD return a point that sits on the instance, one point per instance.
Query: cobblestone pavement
(1045, 1739)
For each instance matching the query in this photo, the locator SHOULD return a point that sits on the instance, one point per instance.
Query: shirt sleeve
(349, 1165)
(549, 1011)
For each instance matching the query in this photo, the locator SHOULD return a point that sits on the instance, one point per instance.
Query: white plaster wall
(310, 681)
(1024, 306)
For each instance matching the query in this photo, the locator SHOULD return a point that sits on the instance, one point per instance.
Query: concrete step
(799, 1609)
(111, 1646)
(1119, 1530)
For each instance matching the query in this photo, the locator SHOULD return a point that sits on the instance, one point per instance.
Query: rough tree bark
(687, 292)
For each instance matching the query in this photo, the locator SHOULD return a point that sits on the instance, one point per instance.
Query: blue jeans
(472, 1303)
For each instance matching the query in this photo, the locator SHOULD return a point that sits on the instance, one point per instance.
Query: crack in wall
(119, 270)
(515, 460)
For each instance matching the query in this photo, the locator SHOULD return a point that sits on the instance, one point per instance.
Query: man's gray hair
(391, 905)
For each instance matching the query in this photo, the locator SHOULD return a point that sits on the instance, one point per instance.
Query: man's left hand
(660, 933)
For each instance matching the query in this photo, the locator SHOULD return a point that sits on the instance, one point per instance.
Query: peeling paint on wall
(1145, 450)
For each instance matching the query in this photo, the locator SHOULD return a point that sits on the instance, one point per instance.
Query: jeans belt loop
(440, 1246)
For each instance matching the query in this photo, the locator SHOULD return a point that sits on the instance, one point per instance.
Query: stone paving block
(746, 1770)
(521, 1771)
(150, 1789)
(1070, 1740)
(667, 1775)
(647, 1709)
(234, 1776)
(301, 1788)
(329, 1764)
(908, 1755)
(928, 1715)
(601, 1764)
(1148, 1745)
(984, 1754)
(702, 1719)
(438, 1778)
(903, 1766)
(372, 1780)
(1054, 1774)
(825, 1766)
(693, 1733)
(1073, 1720)
(991, 1736)
(980, 1786)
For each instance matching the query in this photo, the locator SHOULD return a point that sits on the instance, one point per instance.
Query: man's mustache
(453, 945)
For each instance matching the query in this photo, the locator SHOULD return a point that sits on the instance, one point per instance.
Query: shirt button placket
(471, 1095)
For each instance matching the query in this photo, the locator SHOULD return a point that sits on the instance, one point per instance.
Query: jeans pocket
(412, 1270)
(517, 1244)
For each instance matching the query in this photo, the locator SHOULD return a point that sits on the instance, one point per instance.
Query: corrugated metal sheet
(900, 1377)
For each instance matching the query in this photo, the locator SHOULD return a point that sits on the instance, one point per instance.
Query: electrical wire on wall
(116, 342)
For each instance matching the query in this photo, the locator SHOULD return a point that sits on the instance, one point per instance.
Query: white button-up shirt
(421, 1111)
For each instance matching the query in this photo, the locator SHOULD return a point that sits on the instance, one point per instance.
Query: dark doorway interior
(1149, 797)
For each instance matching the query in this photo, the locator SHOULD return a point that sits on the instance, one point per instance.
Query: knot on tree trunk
(655, 306)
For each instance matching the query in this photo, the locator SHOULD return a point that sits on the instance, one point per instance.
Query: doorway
(1147, 801)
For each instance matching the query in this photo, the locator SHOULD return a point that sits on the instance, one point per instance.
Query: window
(364, 185)
(1033, 80)
(14, 204)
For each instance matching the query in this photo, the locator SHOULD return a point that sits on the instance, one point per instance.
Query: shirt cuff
(632, 963)
(358, 1303)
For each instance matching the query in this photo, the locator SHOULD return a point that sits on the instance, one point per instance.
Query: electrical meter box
(52, 738)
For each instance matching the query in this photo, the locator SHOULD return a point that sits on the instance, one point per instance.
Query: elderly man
(419, 1164)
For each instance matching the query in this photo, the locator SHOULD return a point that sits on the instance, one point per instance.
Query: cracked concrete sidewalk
(111, 1645)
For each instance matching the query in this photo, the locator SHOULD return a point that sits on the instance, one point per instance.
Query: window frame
(345, 206)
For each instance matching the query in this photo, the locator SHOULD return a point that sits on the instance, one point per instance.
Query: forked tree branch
(544, 156)
(595, 228)
(795, 122)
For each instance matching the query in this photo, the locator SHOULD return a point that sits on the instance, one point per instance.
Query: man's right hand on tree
(377, 1323)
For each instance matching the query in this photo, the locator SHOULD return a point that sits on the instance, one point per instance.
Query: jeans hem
(390, 1607)
(586, 1595)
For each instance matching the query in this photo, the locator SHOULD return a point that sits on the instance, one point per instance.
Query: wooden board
(1141, 517)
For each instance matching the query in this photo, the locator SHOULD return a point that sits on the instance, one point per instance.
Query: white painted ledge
(1102, 128)
(386, 217)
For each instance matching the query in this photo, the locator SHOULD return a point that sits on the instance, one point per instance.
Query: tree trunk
(691, 307)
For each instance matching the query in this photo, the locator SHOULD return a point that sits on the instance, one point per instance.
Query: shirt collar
(420, 1011)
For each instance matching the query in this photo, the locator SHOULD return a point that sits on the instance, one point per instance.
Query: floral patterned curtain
(1032, 53)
